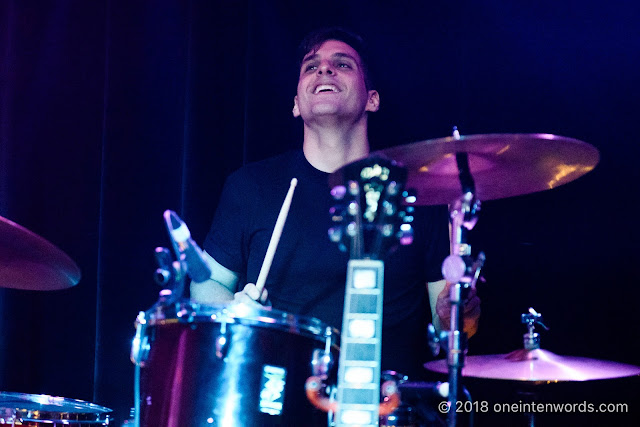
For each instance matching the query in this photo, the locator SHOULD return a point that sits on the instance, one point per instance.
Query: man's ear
(296, 110)
(373, 103)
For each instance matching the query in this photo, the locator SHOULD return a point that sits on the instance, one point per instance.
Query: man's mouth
(325, 88)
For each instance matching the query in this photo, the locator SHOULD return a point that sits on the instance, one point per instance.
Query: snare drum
(228, 366)
(39, 410)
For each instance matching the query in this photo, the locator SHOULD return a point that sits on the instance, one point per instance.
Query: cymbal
(27, 261)
(42, 409)
(502, 165)
(538, 366)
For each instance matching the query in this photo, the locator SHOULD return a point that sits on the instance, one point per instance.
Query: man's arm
(435, 289)
(441, 307)
(221, 287)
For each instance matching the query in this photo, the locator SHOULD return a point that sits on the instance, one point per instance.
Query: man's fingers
(251, 292)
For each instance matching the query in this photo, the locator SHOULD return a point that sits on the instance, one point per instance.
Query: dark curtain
(113, 111)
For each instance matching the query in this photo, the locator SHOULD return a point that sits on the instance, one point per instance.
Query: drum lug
(140, 346)
(222, 342)
(322, 360)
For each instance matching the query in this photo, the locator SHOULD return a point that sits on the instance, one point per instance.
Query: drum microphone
(186, 249)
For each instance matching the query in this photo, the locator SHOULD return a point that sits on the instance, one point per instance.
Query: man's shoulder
(271, 167)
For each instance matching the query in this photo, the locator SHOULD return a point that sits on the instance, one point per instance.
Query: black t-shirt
(308, 273)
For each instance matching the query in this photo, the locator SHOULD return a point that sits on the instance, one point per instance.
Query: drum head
(189, 312)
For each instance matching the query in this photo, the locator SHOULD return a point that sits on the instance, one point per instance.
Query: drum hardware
(322, 361)
(487, 167)
(30, 262)
(534, 365)
(255, 379)
(461, 271)
(42, 410)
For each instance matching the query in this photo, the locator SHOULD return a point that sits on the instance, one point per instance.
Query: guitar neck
(359, 367)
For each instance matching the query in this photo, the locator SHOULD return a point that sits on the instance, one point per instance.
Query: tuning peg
(335, 234)
(389, 208)
(409, 196)
(352, 209)
(337, 213)
(354, 188)
(405, 234)
(338, 192)
(352, 229)
(392, 188)
(387, 230)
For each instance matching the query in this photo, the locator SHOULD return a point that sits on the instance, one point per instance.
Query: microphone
(186, 249)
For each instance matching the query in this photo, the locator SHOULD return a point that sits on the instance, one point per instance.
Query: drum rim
(40, 407)
(190, 312)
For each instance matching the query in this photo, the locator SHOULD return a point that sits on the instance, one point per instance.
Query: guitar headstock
(371, 216)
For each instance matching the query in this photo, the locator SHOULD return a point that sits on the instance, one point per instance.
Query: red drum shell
(230, 366)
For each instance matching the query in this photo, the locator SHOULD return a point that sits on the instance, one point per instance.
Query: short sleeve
(227, 240)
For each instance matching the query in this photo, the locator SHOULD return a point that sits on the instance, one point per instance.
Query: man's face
(331, 83)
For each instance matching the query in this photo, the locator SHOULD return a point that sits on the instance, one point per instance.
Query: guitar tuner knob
(352, 209)
(337, 213)
(335, 234)
(338, 192)
(387, 230)
(352, 229)
(392, 188)
(389, 209)
(405, 234)
(354, 188)
(409, 196)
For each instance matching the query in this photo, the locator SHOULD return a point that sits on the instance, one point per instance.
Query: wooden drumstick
(275, 238)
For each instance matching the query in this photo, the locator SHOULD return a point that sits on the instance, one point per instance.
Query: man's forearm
(210, 292)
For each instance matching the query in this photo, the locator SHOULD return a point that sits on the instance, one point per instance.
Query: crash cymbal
(502, 165)
(538, 366)
(27, 261)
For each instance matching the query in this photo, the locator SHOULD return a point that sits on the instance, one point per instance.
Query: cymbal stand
(462, 272)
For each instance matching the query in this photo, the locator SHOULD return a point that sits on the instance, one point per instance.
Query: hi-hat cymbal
(538, 366)
(27, 261)
(502, 165)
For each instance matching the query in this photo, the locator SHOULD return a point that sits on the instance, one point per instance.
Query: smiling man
(334, 99)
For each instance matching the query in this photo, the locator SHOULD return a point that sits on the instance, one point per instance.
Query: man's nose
(325, 68)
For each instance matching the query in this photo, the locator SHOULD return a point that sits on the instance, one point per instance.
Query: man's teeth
(325, 88)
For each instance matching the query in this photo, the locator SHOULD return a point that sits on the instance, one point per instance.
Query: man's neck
(328, 148)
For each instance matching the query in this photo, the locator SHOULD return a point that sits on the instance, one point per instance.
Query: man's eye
(310, 67)
(344, 65)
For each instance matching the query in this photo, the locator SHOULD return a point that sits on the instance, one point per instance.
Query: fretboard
(359, 367)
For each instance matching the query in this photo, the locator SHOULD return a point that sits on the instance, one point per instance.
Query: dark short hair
(315, 39)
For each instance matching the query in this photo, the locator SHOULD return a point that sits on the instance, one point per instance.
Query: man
(334, 98)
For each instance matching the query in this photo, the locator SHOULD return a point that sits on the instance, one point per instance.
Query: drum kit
(32, 263)
(235, 365)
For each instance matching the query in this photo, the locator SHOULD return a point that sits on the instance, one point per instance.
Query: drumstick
(275, 238)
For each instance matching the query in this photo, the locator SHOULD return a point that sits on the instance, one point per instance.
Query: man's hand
(251, 296)
(471, 310)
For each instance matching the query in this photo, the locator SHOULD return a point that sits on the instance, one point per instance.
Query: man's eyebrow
(335, 55)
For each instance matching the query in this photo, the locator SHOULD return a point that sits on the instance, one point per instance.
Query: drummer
(334, 99)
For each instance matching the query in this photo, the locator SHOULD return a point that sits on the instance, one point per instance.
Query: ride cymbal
(27, 261)
(502, 165)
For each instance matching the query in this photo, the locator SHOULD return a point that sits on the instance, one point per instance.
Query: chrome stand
(462, 271)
